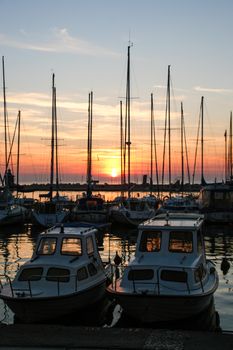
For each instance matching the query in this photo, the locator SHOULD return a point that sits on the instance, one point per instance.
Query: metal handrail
(29, 283)
(158, 269)
(9, 281)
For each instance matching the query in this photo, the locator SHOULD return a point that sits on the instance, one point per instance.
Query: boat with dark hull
(169, 278)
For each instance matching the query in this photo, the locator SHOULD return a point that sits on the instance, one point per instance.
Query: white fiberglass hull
(131, 218)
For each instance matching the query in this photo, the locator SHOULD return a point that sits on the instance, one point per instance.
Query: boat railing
(119, 270)
(28, 290)
(8, 280)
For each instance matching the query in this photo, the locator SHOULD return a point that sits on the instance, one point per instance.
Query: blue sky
(85, 44)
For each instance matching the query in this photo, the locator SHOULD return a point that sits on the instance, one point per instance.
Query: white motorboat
(49, 213)
(64, 275)
(132, 211)
(179, 203)
(169, 278)
(10, 212)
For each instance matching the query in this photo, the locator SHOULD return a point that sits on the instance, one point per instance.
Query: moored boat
(216, 202)
(169, 278)
(64, 275)
(132, 211)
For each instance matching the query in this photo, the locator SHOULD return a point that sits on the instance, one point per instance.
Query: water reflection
(17, 244)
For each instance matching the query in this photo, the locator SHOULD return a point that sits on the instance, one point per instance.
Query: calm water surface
(17, 244)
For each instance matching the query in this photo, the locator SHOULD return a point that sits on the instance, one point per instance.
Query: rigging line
(155, 152)
(197, 141)
(186, 153)
(167, 121)
(11, 146)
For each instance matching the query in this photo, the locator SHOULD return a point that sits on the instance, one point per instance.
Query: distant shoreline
(111, 187)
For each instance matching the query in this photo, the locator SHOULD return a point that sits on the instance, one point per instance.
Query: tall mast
(18, 151)
(89, 145)
(230, 148)
(169, 127)
(151, 142)
(202, 141)
(5, 116)
(52, 140)
(128, 141)
(122, 146)
(226, 168)
(56, 140)
(182, 147)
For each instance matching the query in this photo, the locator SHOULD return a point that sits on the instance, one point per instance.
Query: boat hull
(221, 217)
(90, 216)
(35, 309)
(130, 219)
(48, 220)
(152, 309)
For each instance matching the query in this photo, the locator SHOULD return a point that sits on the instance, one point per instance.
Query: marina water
(17, 244)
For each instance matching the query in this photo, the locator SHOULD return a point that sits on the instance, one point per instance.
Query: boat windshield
(71, 246)
(181, 242)
(47, 246)
(150, 241)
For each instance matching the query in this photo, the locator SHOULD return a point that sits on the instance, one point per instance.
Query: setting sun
(114, 172)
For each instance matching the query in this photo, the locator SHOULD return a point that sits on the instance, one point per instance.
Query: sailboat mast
(226, 172)
(151, 142)
(182, 147)
(52, 140)
(5, 117)
(89, 145)
(122, 146)
(230, 148)
(55, 140)
(202, 140)
(128, 143)
(18, 152)
(169, 126)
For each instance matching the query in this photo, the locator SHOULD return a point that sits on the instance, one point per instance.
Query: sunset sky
(84, 43)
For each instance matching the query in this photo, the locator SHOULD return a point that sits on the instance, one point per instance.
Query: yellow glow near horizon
(114, 172)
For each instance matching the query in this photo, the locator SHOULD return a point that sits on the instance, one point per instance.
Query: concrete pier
(71, 338)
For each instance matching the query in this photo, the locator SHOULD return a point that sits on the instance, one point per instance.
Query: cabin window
(150, 241)
(90, 246)
(47, 246)
(71, 246)
(199, 273)
(55, 274)
(142, 274)
(181, 242)
(82, 274)
(92, 269)
(32, 274)
(174, 276)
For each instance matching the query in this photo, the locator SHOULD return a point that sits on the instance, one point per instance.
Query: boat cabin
(64, 259)
(170, 251)
(216, 197)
